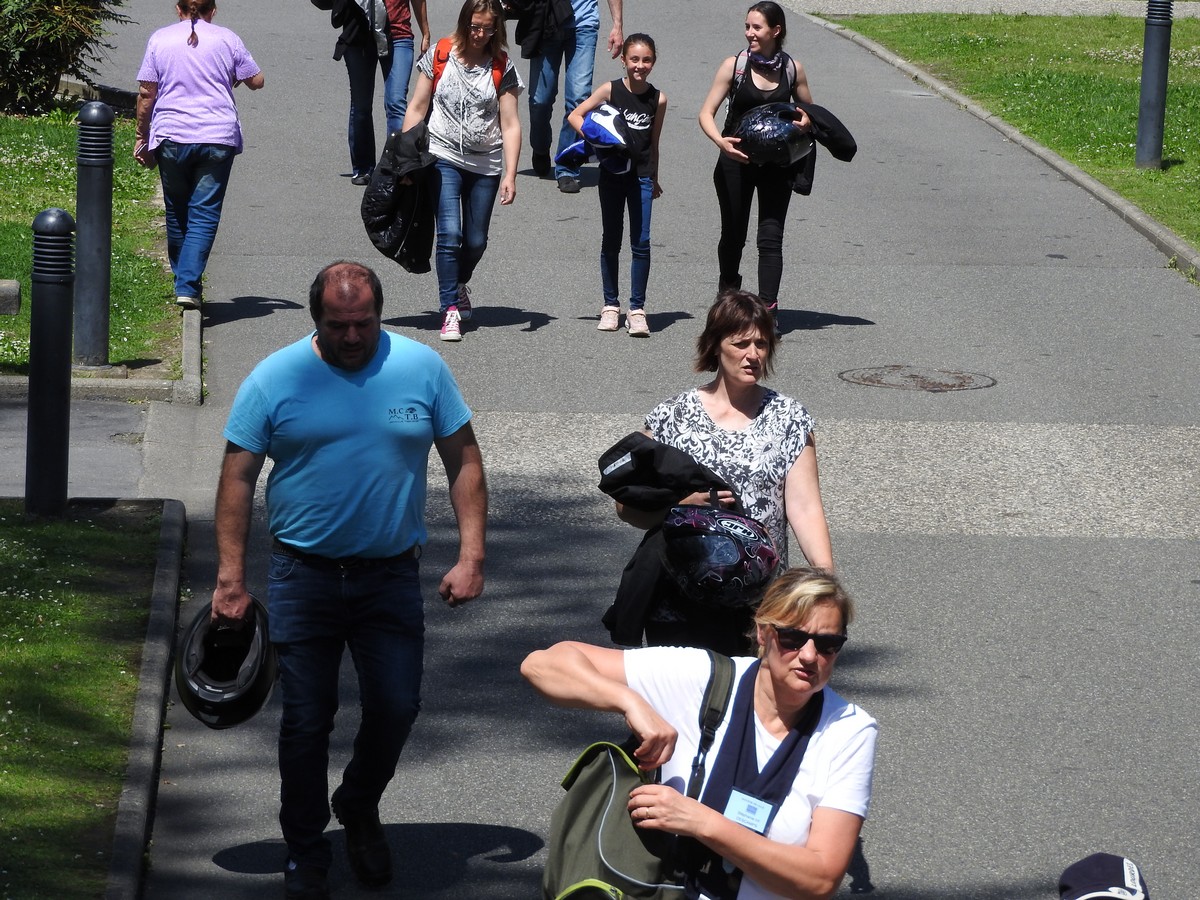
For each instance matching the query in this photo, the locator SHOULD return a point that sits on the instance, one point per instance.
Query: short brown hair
(733, 313)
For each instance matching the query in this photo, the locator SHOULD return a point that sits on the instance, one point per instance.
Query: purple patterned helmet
(716, 557)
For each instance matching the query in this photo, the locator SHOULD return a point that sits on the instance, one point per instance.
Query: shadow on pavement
(238, 308)
(484, 317)
(808, 320)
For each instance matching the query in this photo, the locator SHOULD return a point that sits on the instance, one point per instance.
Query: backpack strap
(712, 711)
(441, 56)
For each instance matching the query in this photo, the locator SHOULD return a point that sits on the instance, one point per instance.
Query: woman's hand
(657, 807)
(508, 190)
(143, 154)
(657, 735)
(725, 499)
(657, 190)
(802, 121)
(729, 146)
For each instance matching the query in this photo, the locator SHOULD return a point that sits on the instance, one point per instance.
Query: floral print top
(754, 461)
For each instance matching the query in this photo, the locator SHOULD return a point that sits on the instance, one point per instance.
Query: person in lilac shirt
(187, 125)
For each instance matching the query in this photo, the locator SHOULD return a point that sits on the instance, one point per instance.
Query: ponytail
(195, 10)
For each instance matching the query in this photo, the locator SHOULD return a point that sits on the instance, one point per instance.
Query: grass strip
(37, 171)
(1072, 84)
(74, 602)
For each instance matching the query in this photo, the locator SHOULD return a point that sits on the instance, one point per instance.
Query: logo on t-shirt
(403, 414)
(638, 121)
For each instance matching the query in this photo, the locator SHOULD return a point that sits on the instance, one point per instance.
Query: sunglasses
(793, 639)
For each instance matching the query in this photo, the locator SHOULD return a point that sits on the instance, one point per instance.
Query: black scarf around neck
(766, 63)
(736, 766)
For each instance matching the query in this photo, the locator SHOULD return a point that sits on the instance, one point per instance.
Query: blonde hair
(792, 596)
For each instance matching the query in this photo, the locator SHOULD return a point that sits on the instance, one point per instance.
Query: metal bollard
(48, 434)
(1152, 105)
(93, 207)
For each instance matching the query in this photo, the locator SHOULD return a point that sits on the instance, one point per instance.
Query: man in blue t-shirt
(347, 416)
(570, 45)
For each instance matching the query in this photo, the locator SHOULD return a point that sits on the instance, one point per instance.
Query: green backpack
(595, 852)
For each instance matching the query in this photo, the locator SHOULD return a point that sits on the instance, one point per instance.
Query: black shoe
(304, 882)
(541, 164)
(360, 180)
(568, 184)
(366, 846)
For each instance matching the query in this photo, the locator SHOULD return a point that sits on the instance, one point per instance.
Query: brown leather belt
(343, 563)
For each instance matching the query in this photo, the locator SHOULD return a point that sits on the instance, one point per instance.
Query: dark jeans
(736, 185)
(396, 68)
(315, 613)
(616, 193)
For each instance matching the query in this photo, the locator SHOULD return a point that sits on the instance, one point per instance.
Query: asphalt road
(1025, 555)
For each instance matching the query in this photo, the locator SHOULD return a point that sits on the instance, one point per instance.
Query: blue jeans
(616, 193)
(314, 614)
(464, 212)
(578, 54)
(194, 179)
(360, 67)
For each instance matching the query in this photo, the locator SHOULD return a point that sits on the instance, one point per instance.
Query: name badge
(747, 810)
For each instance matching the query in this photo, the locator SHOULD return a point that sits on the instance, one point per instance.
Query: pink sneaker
(610, 318)
(450, 327)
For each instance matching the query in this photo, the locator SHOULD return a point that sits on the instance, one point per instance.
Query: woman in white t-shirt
(468, 87)
(788, 783)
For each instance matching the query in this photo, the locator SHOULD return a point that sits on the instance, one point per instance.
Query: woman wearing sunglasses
(788, 782)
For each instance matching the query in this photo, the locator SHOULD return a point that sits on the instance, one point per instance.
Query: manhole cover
(910, 378)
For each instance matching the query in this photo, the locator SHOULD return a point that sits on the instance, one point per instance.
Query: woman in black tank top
(642, 107)
(761, 74)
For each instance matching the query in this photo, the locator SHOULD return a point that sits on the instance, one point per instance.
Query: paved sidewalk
(1025, 556)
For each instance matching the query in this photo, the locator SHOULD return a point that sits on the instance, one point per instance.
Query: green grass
(1071, 84)
(74, 603)
(37, 171)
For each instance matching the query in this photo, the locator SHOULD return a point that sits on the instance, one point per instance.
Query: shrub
(42, 40)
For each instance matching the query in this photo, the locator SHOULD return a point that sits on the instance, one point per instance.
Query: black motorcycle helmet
(716, 557)
(768, 136)
(225, 673)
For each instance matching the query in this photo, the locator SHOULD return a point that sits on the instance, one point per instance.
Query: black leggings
(736, 184)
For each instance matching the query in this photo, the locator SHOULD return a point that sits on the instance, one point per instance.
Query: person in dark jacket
(375, 33)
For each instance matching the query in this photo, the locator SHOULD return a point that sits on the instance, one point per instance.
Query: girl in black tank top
(762, 73)
(642, 107)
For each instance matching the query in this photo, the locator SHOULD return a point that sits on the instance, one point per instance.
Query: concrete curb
(188, 390)
(1183, 255)
(135, 811)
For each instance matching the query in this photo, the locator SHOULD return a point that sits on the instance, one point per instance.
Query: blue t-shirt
(350, 449)
(587, 13)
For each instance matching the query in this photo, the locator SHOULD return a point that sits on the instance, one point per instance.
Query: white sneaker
(610, 318)
(187, 302)
(450, 327)
(464, 302)
(636, 323)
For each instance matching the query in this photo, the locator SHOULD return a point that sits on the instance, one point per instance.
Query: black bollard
(93, 208)
(48, 435)
(1156, 55)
